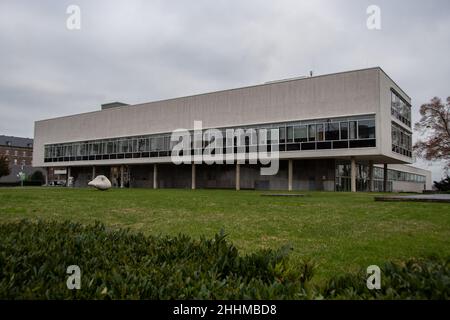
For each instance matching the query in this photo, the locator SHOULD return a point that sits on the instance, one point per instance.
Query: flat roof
(269, 83)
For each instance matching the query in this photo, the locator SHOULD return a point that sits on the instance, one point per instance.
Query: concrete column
(193, 177)
(47, 171)
(290, 174)
(93, 172)
(121, 176)
(155, 176)
(370, 184)
(129, 176)
(68, 175)
(238, 176)
(353, 174)
(385, 177)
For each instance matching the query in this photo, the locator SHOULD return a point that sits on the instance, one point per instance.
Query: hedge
(119, 264)
(413, 279)
(26, 183)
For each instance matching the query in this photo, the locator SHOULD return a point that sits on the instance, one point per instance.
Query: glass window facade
(401, 140)
(300, 133)
(320, 132)
(344, 130)
(311, 132)
(400, 109)
(366, 129)
(362, 177)
(334, 133)
(352, 129)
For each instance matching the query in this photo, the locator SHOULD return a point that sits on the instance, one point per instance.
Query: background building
(344, 131)
(19, 153)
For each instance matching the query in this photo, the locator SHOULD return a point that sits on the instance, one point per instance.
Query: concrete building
(347, 131)
(19, 153)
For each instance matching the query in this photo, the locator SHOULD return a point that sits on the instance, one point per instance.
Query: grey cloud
(138, 51)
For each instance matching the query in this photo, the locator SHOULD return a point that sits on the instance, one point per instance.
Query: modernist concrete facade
(360, 119)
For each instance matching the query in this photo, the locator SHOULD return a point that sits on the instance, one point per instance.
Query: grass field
(340, 231)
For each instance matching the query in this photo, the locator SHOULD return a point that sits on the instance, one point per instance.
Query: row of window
(344, 184)
(16, 162)
(16, 153)
(401, 140)
(395, 175)
(331, 131)
(400, 109)
(362, 172)
(354, 132)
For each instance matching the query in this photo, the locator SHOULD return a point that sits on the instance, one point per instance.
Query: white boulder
(101, 183)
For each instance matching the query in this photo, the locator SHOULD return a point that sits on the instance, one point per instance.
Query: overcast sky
(139, 51)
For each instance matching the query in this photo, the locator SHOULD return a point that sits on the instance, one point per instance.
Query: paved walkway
(282, 195)
(417, 197)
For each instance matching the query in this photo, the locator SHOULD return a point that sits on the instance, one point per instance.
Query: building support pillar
(193, 176)
(353, 174)
(68, 176)
(370, 184)
(129, 177)
(290, 174)
(238, 176)
(155, 176)
(47, 171)
(93, 172)
(121, 176)
(385, 177)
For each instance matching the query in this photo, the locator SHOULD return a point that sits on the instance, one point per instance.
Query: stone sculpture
(101, 183)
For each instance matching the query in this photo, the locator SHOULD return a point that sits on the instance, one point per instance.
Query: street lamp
(22, 176)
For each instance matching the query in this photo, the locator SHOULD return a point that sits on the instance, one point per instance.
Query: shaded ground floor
(311, 174)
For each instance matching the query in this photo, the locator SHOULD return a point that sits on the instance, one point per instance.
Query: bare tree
(4, 167)
(434, 127)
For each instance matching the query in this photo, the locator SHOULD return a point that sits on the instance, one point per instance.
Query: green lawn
(340, 231)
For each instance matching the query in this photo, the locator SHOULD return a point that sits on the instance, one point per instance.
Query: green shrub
(414, 279)
(37, 177)
(119, 264)
(443, 185)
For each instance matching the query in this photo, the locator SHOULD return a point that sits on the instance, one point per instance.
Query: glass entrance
(116, 176)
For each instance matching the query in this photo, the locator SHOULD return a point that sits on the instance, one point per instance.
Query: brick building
(19, 153)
